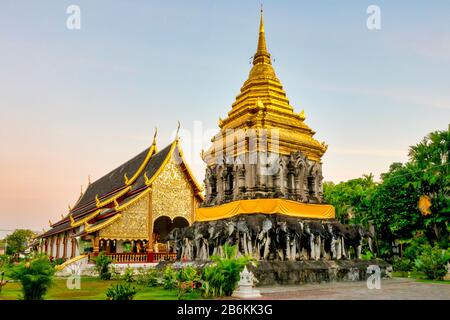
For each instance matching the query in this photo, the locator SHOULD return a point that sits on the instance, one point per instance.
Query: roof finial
(154, 136)
(261, 23)
(89, 179)
(177, 137)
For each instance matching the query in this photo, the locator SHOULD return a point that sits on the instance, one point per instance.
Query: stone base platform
(300, 272)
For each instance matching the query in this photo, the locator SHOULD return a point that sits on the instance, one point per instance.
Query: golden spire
(261, 55)
(262, 103)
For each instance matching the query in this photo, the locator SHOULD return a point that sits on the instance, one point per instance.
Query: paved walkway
(391, 289)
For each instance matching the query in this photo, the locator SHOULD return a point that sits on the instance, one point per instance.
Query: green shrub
(115, 273)
(36, 277)
(185, 287)
(148, 278)
(170, 278)
(432, 262)
(188, 280)
(414, 247)
(222, 276)
(188, 273)
(367, 255)
(121, 291)
(102, 263)
(128, 276)
(402, 264)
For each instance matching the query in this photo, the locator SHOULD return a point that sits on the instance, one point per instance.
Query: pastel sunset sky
(75, 103)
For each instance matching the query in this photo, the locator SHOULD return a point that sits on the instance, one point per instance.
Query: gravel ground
(391, 289)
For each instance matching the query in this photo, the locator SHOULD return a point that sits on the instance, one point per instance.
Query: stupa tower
(263, 149)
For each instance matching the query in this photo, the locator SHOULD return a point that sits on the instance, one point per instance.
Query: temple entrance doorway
(161, 228)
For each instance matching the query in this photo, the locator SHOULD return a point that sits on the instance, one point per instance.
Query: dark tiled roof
(57, 229)
(109, 182)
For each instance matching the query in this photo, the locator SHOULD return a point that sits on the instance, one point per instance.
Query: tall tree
(395, 213)
(392, 205)
(18, 240)
(430, 158)
(351, 198)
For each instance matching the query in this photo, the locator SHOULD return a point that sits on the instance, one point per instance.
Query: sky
(78, 103)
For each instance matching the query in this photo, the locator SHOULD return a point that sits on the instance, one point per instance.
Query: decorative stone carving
(266, 175)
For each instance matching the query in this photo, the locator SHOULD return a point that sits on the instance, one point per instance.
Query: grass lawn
(94, 289)
(418, 277)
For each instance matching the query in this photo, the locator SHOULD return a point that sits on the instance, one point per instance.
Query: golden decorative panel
(132, 225)
(172, 193)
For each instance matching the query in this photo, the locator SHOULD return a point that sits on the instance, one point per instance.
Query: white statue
(245, 288)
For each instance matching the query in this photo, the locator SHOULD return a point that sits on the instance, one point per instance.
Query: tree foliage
(391, 205)
(351, 199)
(18, 240)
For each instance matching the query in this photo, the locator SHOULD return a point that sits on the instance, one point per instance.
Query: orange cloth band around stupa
(265, 206)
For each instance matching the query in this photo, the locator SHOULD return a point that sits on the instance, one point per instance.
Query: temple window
(213, 186)
(311, 185)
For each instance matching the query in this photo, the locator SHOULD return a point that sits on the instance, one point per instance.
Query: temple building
(264, 158)
(126, 212)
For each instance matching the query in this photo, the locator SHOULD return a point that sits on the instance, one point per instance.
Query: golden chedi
(264, 151)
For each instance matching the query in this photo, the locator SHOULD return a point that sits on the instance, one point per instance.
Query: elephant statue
(270, 237)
